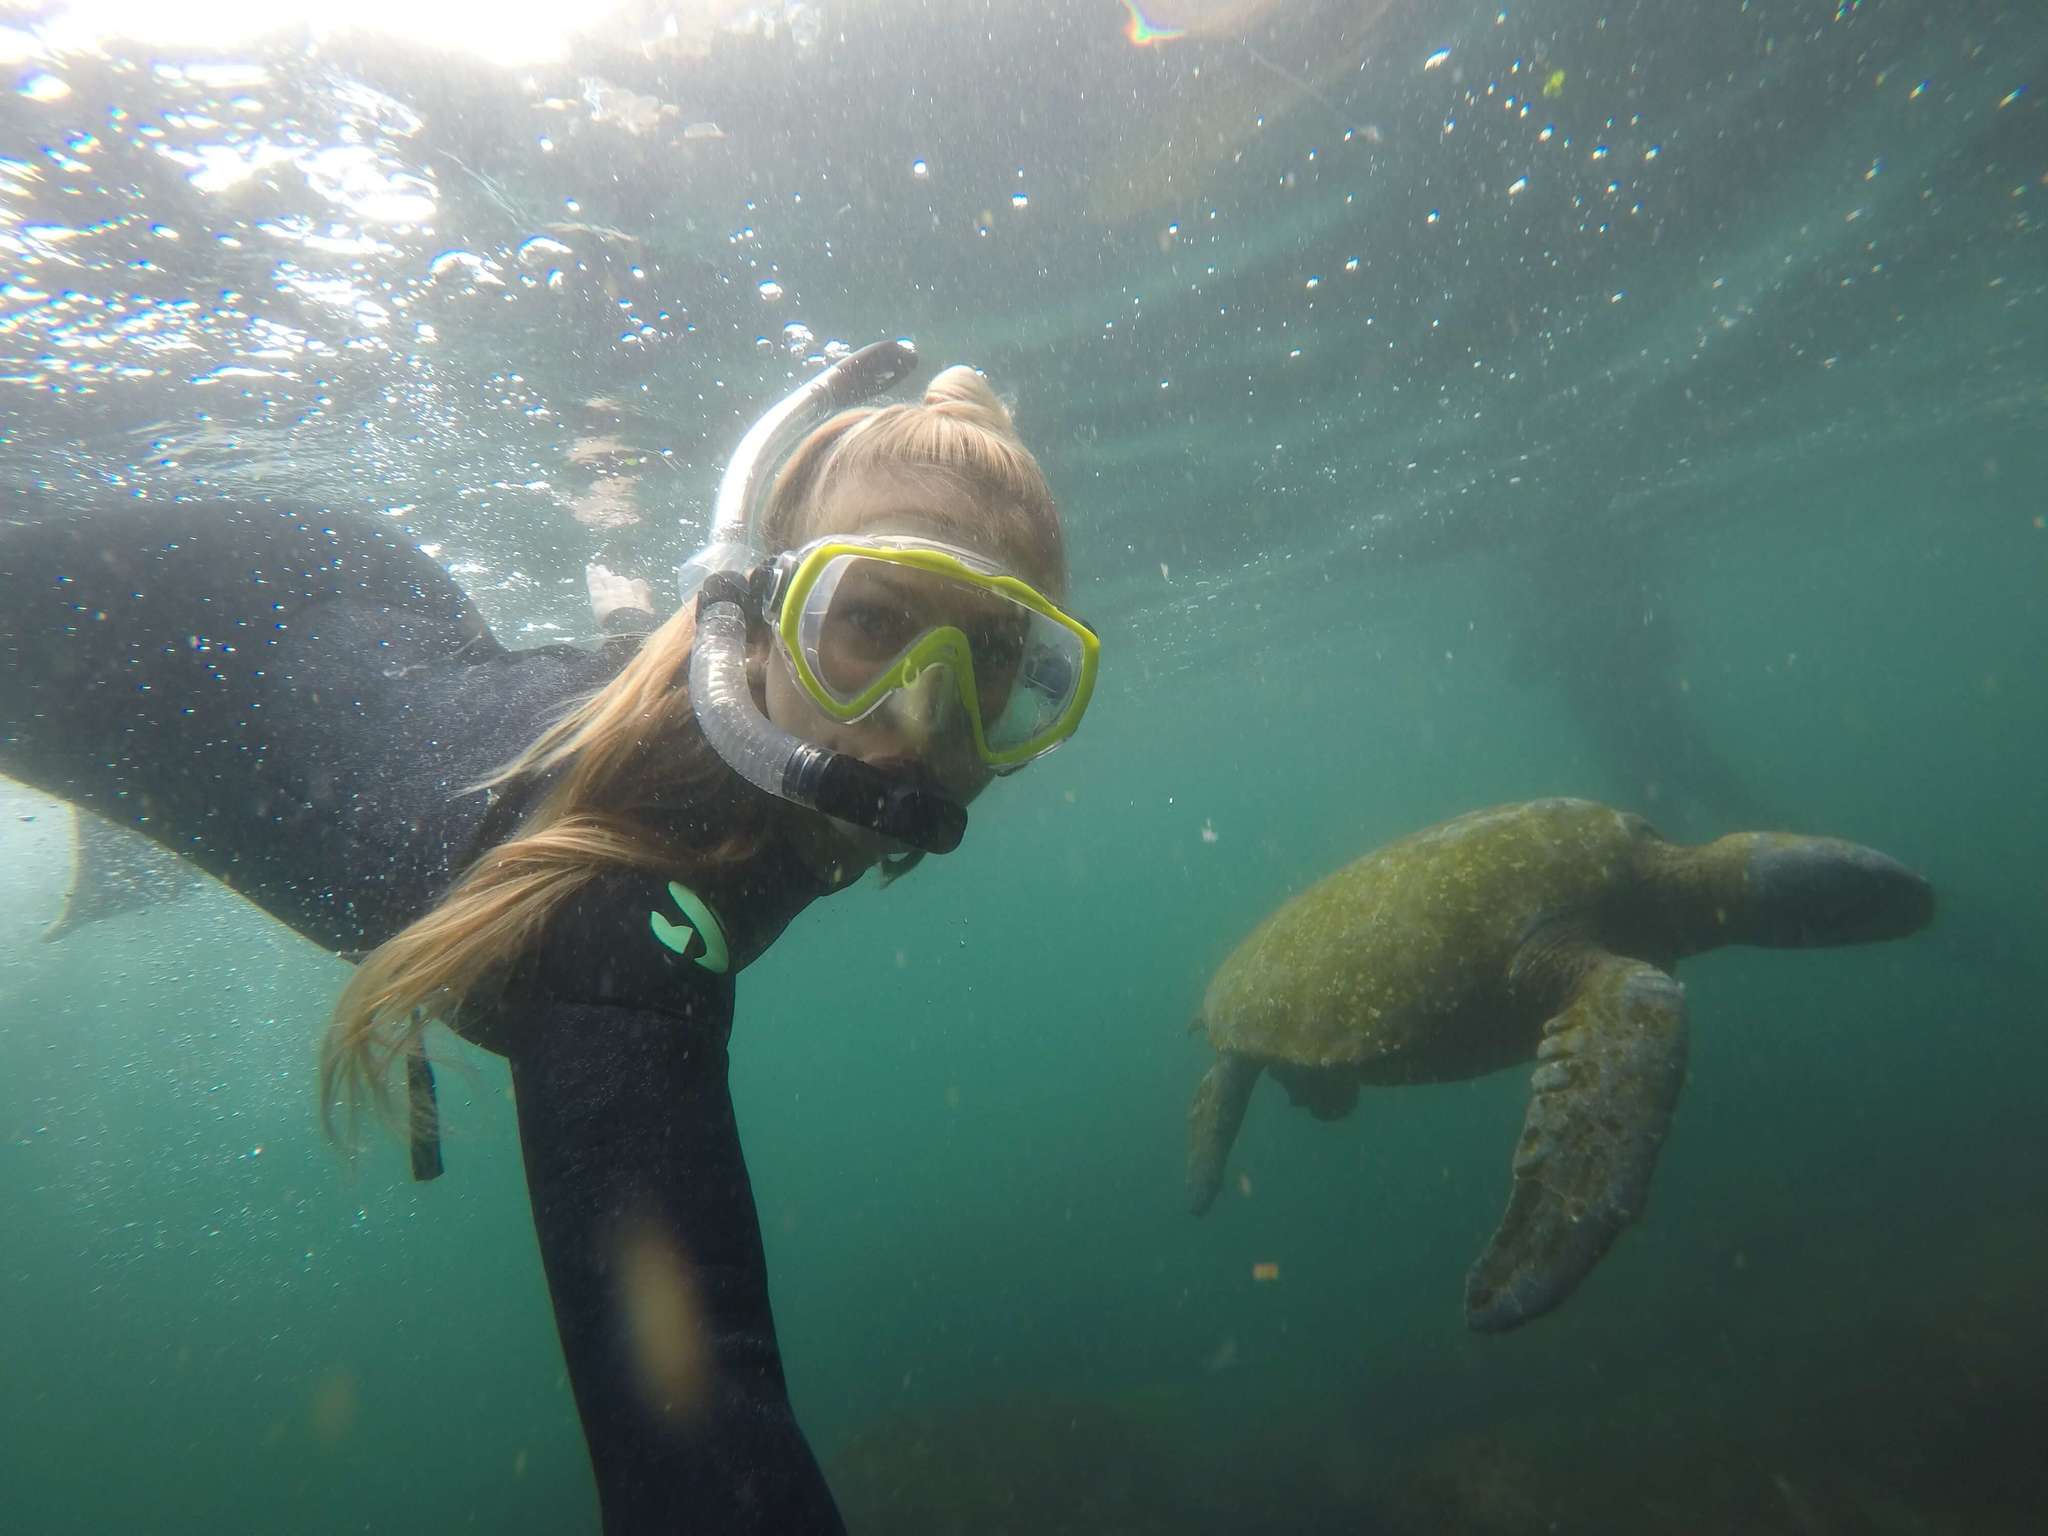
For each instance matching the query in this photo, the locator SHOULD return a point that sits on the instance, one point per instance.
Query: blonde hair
(634, 745)
(961, 436)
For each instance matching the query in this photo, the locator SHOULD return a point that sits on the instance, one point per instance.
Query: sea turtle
(1543, 931)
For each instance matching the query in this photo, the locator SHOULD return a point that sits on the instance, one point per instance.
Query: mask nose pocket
(925, 706)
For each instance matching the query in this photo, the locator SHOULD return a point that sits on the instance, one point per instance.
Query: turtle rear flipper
(1608, 1074)
(1213, 1119)
(1785, 891)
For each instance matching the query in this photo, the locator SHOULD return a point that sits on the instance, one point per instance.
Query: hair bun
(962, 393)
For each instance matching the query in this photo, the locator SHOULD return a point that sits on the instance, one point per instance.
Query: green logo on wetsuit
(698, 923)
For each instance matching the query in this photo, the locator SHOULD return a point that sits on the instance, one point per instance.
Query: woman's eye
(871, 621)
(998, 646)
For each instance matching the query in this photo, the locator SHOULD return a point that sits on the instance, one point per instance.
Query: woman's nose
(926, 711)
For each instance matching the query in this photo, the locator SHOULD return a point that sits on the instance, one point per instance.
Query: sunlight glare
(500, 31)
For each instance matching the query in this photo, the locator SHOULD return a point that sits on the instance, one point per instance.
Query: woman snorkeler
(568, 855)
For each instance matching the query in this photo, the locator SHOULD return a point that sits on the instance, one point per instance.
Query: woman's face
(923, 729)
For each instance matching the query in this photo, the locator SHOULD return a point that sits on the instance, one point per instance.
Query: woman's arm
(653, 1253)
(298, 702)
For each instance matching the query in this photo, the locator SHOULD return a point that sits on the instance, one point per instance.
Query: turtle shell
(1403, 962)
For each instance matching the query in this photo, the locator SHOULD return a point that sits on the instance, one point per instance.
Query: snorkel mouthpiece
(766, 756)
(895, 805)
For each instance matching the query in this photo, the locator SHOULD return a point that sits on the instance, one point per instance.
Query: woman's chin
(859, 848)
(864, 843)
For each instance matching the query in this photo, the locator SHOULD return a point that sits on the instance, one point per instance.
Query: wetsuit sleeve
(629, 620)
(295, 702)
(652, 1246)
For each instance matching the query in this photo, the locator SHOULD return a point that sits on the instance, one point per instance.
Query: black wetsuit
(296, 702)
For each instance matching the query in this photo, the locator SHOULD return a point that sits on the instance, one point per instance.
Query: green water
(1630, 543)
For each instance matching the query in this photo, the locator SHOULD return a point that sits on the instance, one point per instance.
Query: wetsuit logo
(698, 924)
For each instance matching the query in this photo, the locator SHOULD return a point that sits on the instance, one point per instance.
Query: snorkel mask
(860, 620)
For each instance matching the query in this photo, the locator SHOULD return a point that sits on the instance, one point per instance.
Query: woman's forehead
(937, 507)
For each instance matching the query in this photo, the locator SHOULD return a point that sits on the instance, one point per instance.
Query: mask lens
(860, 619)
(1048, 670)
(865, 617)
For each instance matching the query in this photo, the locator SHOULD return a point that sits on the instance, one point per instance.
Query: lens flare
(1143, 33)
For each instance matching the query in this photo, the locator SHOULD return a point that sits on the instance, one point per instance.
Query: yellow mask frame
(1063, 643)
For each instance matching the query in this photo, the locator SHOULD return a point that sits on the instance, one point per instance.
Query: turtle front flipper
(1213, 1119)
(1608, 1074)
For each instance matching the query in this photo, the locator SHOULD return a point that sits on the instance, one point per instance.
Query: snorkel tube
(719, 579)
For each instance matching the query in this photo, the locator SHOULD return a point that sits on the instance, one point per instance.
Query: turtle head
(1804, 892)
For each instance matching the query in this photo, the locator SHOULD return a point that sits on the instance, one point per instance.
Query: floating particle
(1266, 1270)
(1436, 60)
(771, 290)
